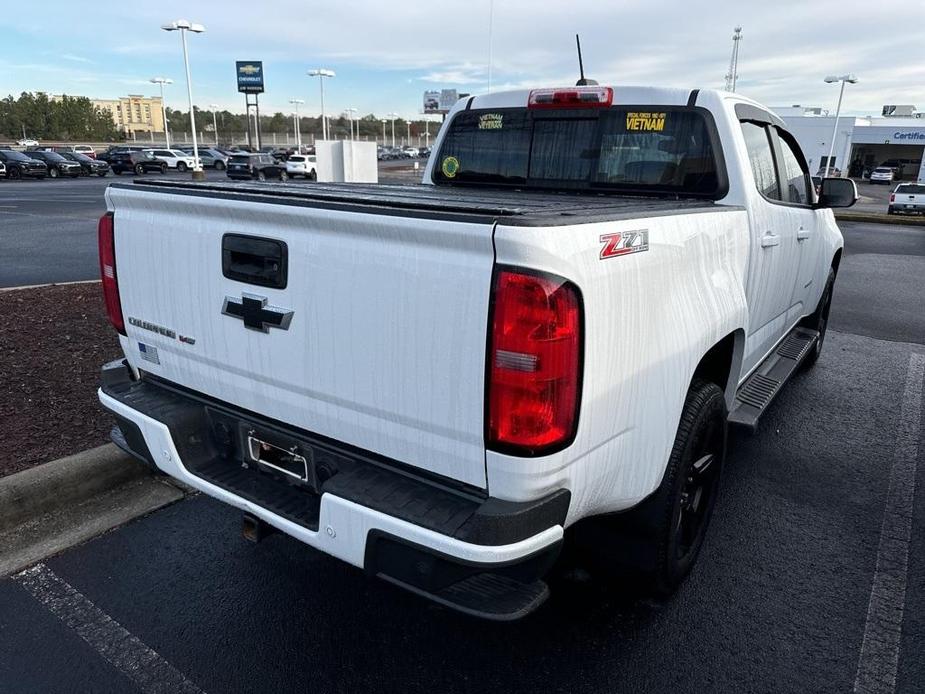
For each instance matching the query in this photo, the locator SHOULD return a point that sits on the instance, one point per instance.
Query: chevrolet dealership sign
(250, 76)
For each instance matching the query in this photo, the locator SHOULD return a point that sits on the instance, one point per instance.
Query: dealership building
(896, 138)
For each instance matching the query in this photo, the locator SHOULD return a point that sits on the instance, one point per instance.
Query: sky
(386, 54)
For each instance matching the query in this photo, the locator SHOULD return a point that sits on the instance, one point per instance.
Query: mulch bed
(53, 341)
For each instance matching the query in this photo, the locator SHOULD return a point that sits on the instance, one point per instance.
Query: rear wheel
(219, 165)
(657, 543)
(819, 320)
(181, 166)
(15, 174)
(261, 176)
(312, 175)
(53, 172)
(139, 169)
(283, 176)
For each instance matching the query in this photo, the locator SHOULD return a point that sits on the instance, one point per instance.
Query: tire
(101, 174)
(181, 167)
(890, 210)
(219, 166)
(53, 172)
(15, 174)
(283, 176)
(819, 320)
(312, 176)
(261, 176)
(656, 543)
(163, 169)
(139, 169)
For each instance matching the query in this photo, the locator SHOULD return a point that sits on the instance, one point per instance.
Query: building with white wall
(860, 142)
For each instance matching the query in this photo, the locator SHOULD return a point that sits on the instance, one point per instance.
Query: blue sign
(250, 76)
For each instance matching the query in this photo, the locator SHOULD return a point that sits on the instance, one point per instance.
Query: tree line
(67, 118)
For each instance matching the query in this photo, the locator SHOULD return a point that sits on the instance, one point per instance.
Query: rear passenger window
(796, 177)
(761, 159)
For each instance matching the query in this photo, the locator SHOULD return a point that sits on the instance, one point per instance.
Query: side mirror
(837, 192)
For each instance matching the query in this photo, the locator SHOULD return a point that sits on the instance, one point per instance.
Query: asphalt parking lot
(779, 602)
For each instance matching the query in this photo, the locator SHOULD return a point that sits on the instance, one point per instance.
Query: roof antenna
(584, 81)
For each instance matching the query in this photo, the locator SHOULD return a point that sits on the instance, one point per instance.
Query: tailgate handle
(255, 260)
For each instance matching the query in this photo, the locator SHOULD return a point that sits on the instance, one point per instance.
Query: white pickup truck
(432, 382)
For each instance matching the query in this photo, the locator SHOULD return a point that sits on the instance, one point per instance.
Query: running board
(759, 390)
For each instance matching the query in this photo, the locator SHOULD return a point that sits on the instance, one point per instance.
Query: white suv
(174, 158)
(882, 174)
(301, 165)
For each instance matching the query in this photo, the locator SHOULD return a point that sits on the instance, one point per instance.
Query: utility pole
(733, 75)
(393, 116)
(298, 126)
(214, 108)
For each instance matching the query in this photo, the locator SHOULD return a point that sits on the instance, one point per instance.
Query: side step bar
(760, 389)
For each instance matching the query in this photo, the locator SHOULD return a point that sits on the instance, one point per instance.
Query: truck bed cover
(508, 207)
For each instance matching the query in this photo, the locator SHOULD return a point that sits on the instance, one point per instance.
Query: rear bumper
(480, 555)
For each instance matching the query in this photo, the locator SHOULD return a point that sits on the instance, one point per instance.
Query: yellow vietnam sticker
(490, 121)
(646, 121)
(450, 166)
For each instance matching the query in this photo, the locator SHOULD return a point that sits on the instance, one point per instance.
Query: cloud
(74, 58)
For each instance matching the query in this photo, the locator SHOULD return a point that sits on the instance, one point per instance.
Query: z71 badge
(624, 242)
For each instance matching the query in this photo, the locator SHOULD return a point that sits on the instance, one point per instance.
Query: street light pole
(841, 92)
(351, 111)
(214, 108)
(393, 116)
(321, 73)
(161, 81)
(183, 26)
(384, 121)
(298, 128)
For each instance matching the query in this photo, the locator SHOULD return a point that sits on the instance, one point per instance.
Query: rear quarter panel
(650, 316)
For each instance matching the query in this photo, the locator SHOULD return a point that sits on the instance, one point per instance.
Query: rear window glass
(240, 159)
(634, 149)
(910, 189)
(883, 169)
(296, 158)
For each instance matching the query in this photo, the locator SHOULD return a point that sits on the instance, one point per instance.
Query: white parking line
(879, 659)
(123, 651)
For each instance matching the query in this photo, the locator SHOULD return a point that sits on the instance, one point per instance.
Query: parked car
(907, 198)
(57, 164)
(174, 158)
(2, 170)
(436, 402)
(136, 162)
(86, 150)
(424, 152)
(882, 174)
(302, 165)
(209, 157)
(833, 172)
(21, 165)
(410, 152)
(88, 165)
(260, 166)
(109, 151)
(27, 142)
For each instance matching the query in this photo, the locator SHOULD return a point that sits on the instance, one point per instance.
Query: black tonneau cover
(508, 207)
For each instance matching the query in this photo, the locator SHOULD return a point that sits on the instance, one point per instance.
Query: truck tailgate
(385, 346)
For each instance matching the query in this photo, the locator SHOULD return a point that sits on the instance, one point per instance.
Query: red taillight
(534, 366)
(892, 197)
(571, 97)
(108, 273)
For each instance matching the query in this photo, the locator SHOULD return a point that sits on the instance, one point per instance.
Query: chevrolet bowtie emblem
(255, 313)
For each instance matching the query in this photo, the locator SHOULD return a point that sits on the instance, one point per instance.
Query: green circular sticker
(450, 166)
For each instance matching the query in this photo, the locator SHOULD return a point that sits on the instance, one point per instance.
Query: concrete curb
(49, 284)
(45, 488)
(879, 218)
(51, 507)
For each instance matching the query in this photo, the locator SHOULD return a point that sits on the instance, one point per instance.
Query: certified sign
(250, 76)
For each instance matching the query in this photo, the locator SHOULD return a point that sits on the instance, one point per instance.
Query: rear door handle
(802, 234)
(769, 240)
